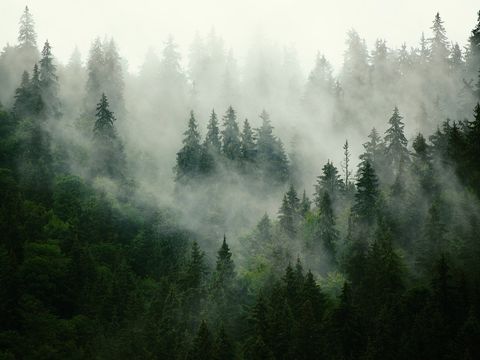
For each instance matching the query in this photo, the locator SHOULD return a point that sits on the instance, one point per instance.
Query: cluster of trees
(257, 153)
(90, 268)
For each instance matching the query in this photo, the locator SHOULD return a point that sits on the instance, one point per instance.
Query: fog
(324, 73)
(308, 25)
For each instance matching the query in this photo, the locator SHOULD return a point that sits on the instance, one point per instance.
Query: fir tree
(212, 138)
(21, 107)
(289, 212)
(27, 37)
(224, 269)
(104, 120)
(365, 207)
(248, 144)
(374, 149)
(439, 51)
(329, 182)
(327, 231)
(231, 136)
(222, 348)
(396, 142)
(49, 81)
(305, 205)
(202, 348)
(188, 158)
(346, 164)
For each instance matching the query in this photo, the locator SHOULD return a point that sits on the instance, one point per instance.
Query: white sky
(308, 25)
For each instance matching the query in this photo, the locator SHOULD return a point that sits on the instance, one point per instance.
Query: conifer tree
(365, 207)
(439, 50)
(289, 212)
(188, 158)
(49, 82)
(396, 143)
(346, 164)
(104, 120)
(222, 348)
(21, 106)
(329, 182)
(473, 57)
(196, 267)
(224, 269)
(231, 135)
(270, 154)
(96, 74)
(327, 232)
(202, 348)
(374, 149)
(27, 37)
(212, 138)
(248, 144)
(305, 204)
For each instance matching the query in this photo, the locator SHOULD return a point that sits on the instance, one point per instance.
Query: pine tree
(21, 107)
(473, 58)
(289, 212)
(95, 75)
(374, 149)
(202, 348)
(270, 154)
(222, 348)
(329, 182)
(224, 269)
(49, 82)
(439, 50)
(188, 158)
(346, 164)
(212, 138)
(27, 36)
(231, 135)
(327, 232)
(104, 120)
(367, 193)
(248, 144)
(396, 142)
(196, 267)
(305, 205)
(113, 77)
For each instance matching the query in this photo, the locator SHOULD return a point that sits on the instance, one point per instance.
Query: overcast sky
(308, 25)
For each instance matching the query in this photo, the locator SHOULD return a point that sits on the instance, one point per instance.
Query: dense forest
(218, 210)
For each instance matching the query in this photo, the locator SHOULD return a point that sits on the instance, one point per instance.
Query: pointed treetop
(27, 35)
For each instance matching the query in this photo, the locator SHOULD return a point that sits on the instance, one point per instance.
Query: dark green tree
(327, 232)
(224, 268)
(188, 158)
(231, 136)
(366, 197)
(202, 348)
(212, 138)
(49, 82)
(248, 143)
(396, 143)
(329, 182)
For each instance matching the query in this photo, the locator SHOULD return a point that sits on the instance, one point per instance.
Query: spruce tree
(188, 158)
(104, 126)
(374, 149)
(396, 143)
(289, 213)
(327, 232)
(231, 135)
(222, 348)
(439, 50)
(329, 182)
(365, 207)
(21, 106)
(27, 37)
(248, 144)
(202, 348)
(212, 138)
(224, 268)
(305, 205)
(49, 82)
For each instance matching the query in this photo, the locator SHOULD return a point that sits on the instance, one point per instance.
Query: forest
(207, 208)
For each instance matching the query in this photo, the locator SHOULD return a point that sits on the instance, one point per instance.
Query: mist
(205, 157)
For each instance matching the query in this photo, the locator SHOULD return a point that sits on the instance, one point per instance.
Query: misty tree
(231, 135)
(104, 119)
(49, 82)
(320, 83)
(224, 269)
(27, 37)
(113, 77)
(188, 158)
(21, 107)
(305, 205)
(212, 139)
(202, 346)
(374, 149)
(396, 150)
(439, 49)
(289, 212)
(247, 143)
(346, 165)
(473, 55)
(366, 197)
(329, 182)
(271, 157)
(95, 71)
(355, 65)
(327, 232)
